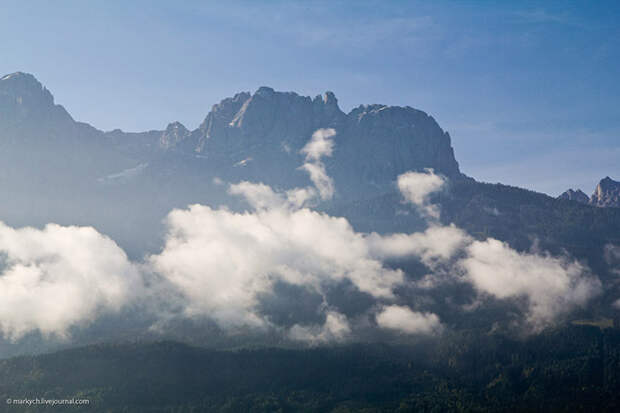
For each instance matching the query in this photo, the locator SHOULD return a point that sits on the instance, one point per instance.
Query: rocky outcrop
(266, 119)
(606, 194)
(380, 142)
(174, 134)
(374, 143)
(25, 104)
(577, 196)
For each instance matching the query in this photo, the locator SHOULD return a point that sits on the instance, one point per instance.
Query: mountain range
(56, 169)
(606, 194)
(249, 136)
(59, 170)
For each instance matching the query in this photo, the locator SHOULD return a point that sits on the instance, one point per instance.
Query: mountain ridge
(605, 195)
(246, 120)
(239, 123)
(87, 176)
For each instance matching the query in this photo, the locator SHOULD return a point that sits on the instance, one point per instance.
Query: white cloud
(436, 243)
(551, 285)
(58, 277)
(263, 197)
(335, 328)
(416, 187)
(321, 180)
(401, 318)
(221, 260)
(219, 264)
(320, 145)
(259, 196)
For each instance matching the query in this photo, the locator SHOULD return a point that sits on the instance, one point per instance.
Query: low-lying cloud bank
(552, 285)
(58, 277)
(222, 261)
(221, 265)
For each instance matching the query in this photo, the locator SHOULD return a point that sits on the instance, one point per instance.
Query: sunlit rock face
(606, 194)
(174, 134)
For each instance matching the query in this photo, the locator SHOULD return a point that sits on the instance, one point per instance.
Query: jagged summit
(374, 143)
(265, 91)
(23, 99)
(20, 77)
(24, 86)
(575, 195)
(175, 133)
(266, 116)
(606, 194)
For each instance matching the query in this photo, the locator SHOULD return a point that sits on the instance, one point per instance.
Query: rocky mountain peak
(606, 193)
(267, 117)
(329, 98)
(175, 133)
(25, 85)
(265, 91)
(575, 195)
(23, 98)
(373, 143)
(607, 182)
(327, 106)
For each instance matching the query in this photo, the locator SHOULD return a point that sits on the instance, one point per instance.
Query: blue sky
(529, 91)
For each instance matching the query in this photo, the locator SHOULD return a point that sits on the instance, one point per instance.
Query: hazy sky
(529, 92)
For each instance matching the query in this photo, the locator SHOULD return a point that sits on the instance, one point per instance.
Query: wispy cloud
(544, 16)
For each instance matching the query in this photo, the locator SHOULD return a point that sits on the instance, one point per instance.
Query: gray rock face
(374, 143)
(606, 194)
(24, 102)
(22, 95)
(259, 135)
(578, 196)
(265, 119)
(380, 142)
(174, 134)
